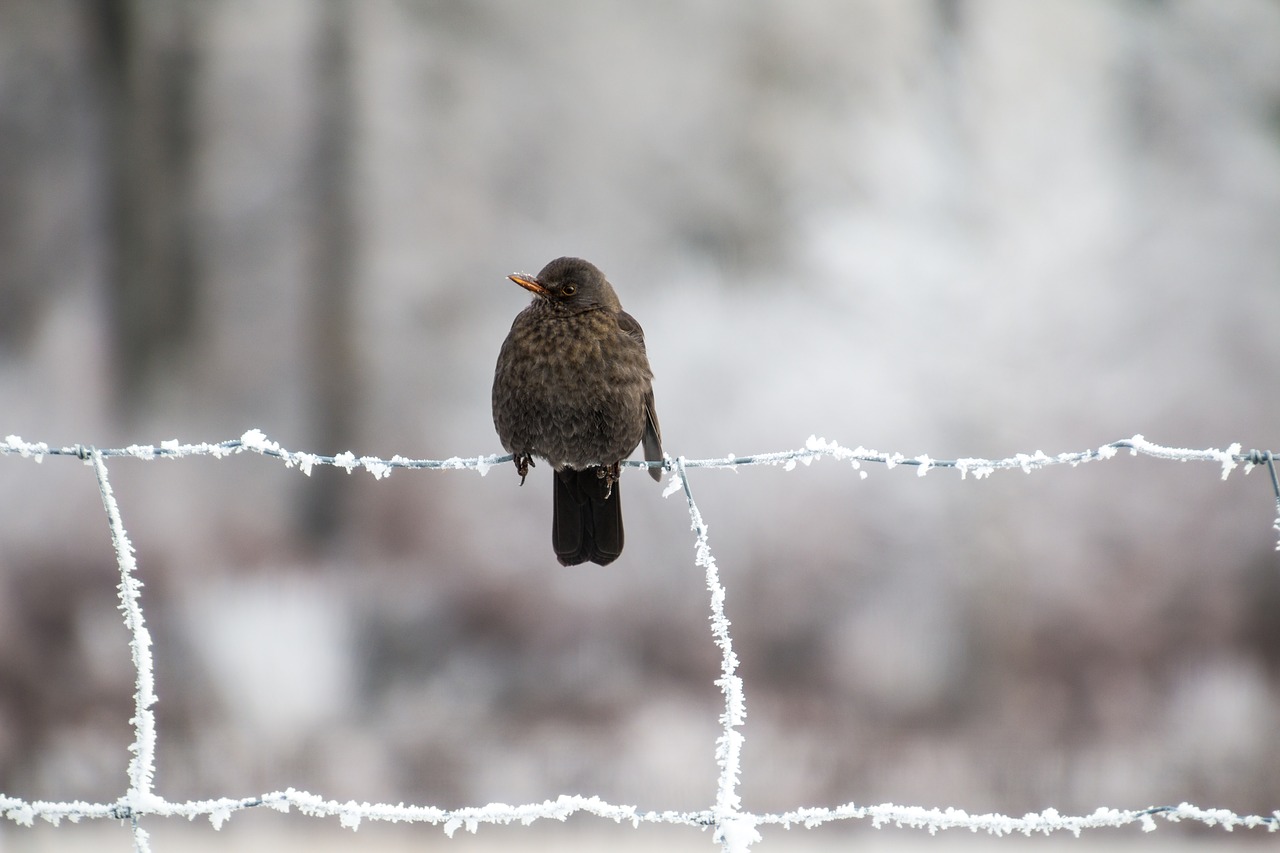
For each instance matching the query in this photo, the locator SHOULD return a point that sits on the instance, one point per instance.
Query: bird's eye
(568, 290)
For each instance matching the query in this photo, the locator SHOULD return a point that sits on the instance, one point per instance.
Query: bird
(573, 386)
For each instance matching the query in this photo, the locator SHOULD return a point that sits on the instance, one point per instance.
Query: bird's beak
(528, 282)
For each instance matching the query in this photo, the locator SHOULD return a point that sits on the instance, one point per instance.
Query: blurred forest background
(954, 227)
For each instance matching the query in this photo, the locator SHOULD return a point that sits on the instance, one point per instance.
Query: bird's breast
(571, 389)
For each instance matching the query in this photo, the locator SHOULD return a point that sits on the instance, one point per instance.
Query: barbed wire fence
(735, 830)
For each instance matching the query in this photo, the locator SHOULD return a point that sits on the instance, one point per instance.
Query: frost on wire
(734, 830)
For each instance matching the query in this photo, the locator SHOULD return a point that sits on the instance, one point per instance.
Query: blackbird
(573, 386)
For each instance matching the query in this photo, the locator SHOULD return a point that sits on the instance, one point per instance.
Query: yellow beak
(528, 282)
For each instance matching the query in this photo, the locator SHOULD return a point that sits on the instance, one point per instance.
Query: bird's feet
(523, 463)
(609, 473)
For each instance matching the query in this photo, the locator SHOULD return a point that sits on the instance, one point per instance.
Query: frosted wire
(735, 830)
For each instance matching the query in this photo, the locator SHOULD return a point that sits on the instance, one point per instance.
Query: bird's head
(570, 284)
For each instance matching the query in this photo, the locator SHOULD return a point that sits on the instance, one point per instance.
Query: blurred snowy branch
(735, 829)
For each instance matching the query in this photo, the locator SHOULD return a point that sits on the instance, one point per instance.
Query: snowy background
(955, 227)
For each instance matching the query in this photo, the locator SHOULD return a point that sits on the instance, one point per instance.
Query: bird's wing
(652, 440)
(652, 432)
(628, 324)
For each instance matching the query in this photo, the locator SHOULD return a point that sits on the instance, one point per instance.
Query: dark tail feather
(585, 525)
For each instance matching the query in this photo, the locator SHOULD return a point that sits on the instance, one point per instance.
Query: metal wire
(736, 830)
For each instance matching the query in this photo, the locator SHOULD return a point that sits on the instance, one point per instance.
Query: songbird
(573, 386)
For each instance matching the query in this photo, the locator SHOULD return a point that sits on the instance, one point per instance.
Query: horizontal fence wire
(734, 829)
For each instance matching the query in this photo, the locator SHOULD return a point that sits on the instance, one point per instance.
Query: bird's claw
(608, 473)
(523, 463)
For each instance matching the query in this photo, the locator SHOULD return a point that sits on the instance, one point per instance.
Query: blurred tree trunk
(331, 356)
(149, 76)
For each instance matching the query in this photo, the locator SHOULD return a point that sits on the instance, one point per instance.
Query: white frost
(736, 830)
(737, 834)
(376, 467)
(256, 439)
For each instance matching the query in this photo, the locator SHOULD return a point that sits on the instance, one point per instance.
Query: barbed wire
(735, 829)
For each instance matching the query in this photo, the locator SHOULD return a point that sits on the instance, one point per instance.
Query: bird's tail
(586, 521)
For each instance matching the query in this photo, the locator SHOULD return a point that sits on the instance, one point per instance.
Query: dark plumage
(573, 386)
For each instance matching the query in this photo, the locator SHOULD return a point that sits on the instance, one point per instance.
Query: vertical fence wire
(139, 798)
